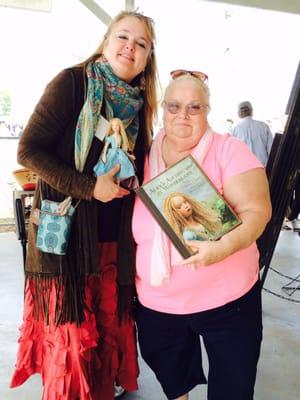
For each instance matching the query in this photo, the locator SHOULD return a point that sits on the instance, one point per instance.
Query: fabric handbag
(54, 227)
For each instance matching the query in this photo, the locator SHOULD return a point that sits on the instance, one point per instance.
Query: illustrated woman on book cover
(215, 293)
(190, 219)
(116, 150)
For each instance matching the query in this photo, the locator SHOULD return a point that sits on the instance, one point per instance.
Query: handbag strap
(65, 204)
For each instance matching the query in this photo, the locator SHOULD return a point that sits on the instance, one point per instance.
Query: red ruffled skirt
(80, 362)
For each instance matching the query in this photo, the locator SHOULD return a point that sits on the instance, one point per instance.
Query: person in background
(78, 331)
(216, 292)
(256, 134)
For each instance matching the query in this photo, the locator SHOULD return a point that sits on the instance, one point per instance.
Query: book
(187, 205)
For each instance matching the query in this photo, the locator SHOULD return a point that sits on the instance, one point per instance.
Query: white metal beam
(129, 5)
(290, 6)
(33, 5)
(97, 10)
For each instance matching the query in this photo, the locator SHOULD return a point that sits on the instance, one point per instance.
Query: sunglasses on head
(197, 74)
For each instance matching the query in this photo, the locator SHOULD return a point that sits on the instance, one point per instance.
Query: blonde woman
(78, 330)
(190, 219)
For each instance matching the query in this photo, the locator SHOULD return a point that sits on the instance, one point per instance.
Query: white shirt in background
(257, 136)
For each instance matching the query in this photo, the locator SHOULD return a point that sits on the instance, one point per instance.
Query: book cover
(187, 205)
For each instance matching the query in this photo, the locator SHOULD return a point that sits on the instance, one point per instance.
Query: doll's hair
(109, 131)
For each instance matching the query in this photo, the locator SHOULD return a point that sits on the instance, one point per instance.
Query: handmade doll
(116, 151)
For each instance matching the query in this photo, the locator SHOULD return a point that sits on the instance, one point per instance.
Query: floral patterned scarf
(119, 99)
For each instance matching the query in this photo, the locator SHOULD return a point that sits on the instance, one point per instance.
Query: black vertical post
(282, 177)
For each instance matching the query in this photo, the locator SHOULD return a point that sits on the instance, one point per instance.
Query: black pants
(232, 337)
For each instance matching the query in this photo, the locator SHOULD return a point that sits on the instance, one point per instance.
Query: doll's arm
(104, 152)
(130, 156)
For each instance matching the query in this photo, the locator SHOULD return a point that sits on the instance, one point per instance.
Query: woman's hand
(107, 189)
(208, 252)
(248, 194)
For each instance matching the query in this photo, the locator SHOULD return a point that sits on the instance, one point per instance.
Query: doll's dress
(115, 155)
(195, 234)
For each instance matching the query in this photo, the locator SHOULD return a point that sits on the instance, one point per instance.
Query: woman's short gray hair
(187, 77)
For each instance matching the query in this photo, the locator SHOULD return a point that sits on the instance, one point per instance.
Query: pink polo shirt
(189, 291)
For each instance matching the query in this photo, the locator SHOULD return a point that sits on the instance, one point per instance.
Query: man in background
(256, 134)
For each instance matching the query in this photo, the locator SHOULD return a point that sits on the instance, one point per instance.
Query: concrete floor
(279, 366)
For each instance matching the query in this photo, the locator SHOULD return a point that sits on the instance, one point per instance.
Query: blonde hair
(109, 131)
(200, 212)
(150, 73)
(196, 81)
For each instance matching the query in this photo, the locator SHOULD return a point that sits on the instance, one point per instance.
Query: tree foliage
(5, 103)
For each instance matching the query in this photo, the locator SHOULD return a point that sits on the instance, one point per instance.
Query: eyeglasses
(191, 109)
(197, 74)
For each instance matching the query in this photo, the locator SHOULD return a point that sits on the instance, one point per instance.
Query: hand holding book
(205, 253)
(188, 206)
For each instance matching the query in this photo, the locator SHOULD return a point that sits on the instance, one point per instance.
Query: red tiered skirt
(80, 362)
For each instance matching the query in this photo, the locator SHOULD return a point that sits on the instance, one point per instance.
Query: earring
(143, 82)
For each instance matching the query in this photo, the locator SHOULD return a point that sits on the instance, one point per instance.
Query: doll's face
(182, 206)
(115, 127)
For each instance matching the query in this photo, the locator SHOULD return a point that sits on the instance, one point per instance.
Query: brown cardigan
(47, 148)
